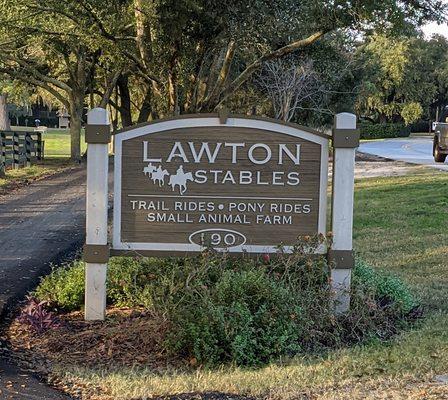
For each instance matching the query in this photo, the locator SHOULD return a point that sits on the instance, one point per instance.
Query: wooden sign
(248, 184)
(237, 184)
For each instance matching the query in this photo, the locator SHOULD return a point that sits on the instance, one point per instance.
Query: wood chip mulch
(128, 338)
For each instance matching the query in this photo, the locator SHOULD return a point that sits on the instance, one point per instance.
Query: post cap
(345, 120)
(98, 116)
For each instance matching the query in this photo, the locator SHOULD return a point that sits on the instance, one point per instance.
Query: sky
(432, 28)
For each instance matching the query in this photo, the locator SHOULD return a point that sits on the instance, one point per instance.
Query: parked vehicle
(440, 146)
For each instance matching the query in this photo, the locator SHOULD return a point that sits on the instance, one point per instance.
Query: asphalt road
(40, 224)
(414, 150)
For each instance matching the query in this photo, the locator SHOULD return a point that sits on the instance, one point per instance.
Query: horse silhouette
(180, 179)
(149, 169)
(159, 175)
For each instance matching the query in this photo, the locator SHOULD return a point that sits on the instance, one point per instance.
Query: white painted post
(96, 249)
(345, 142)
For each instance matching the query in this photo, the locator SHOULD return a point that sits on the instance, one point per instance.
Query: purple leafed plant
(36, 315)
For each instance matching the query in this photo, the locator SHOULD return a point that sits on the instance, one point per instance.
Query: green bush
(244, 310)
(247, 318)
(387, 290)
(130, 283)
(380, 131)
(420, 126)
(64, 287)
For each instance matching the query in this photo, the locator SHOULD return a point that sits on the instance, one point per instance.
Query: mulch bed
(128, 338)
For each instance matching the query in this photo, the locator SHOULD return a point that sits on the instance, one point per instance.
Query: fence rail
(20, 148)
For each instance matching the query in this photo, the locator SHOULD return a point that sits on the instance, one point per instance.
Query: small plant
(64, 287)
(36, 315)
(387, 290)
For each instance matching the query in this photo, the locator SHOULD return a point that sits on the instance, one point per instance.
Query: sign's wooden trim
(341, 259)
(346, 138)
(96, 253)
(98, 134)
(216, 115)
(165, 254)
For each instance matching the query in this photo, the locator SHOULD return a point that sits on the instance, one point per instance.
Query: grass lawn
(400, 226)
(57, 143)
(57, 153)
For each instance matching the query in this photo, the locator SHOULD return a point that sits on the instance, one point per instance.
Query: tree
(433, 57)
(195, 55)
(46, 53)
(311, 86)
(4, 118)
(288, 84)
(154, 58)
(403, 77)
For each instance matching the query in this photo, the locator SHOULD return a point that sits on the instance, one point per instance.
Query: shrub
(387, 290)
(64, 287)
(244, 310)
(380, 131)
(420, 126)
(246, 317)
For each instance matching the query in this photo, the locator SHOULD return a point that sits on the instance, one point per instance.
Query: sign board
(240, 184)
(248, 184)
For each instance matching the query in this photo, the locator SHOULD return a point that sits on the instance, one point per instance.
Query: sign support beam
(345, 142)
(96, 250)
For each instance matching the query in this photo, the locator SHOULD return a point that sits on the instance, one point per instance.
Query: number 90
(216, 239)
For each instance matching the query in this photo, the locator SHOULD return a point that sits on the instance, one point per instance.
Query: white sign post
(96, 250)
(345, 142)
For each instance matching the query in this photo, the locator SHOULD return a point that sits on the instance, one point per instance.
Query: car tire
(438, 156)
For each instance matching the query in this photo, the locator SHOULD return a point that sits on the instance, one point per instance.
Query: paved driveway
(415, 150)
(39, 224)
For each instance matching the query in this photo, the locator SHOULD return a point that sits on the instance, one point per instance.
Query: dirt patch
(47, 170)
(204, 396)
(371, 166)
(373, 169)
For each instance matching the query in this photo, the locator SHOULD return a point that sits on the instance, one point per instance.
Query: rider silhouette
(180, 170)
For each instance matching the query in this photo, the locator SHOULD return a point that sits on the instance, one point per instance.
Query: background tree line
(295, 60)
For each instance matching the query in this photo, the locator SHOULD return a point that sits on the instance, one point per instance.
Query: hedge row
(420, 126)
(380, 131)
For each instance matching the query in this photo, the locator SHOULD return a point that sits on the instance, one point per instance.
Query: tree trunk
(76, 108)
(4, 118)
(125, 101)
(145, 109)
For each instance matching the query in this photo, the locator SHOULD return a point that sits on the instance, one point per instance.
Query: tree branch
(251, 68)
(32, 81)
(111, 82)
(37, 74)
